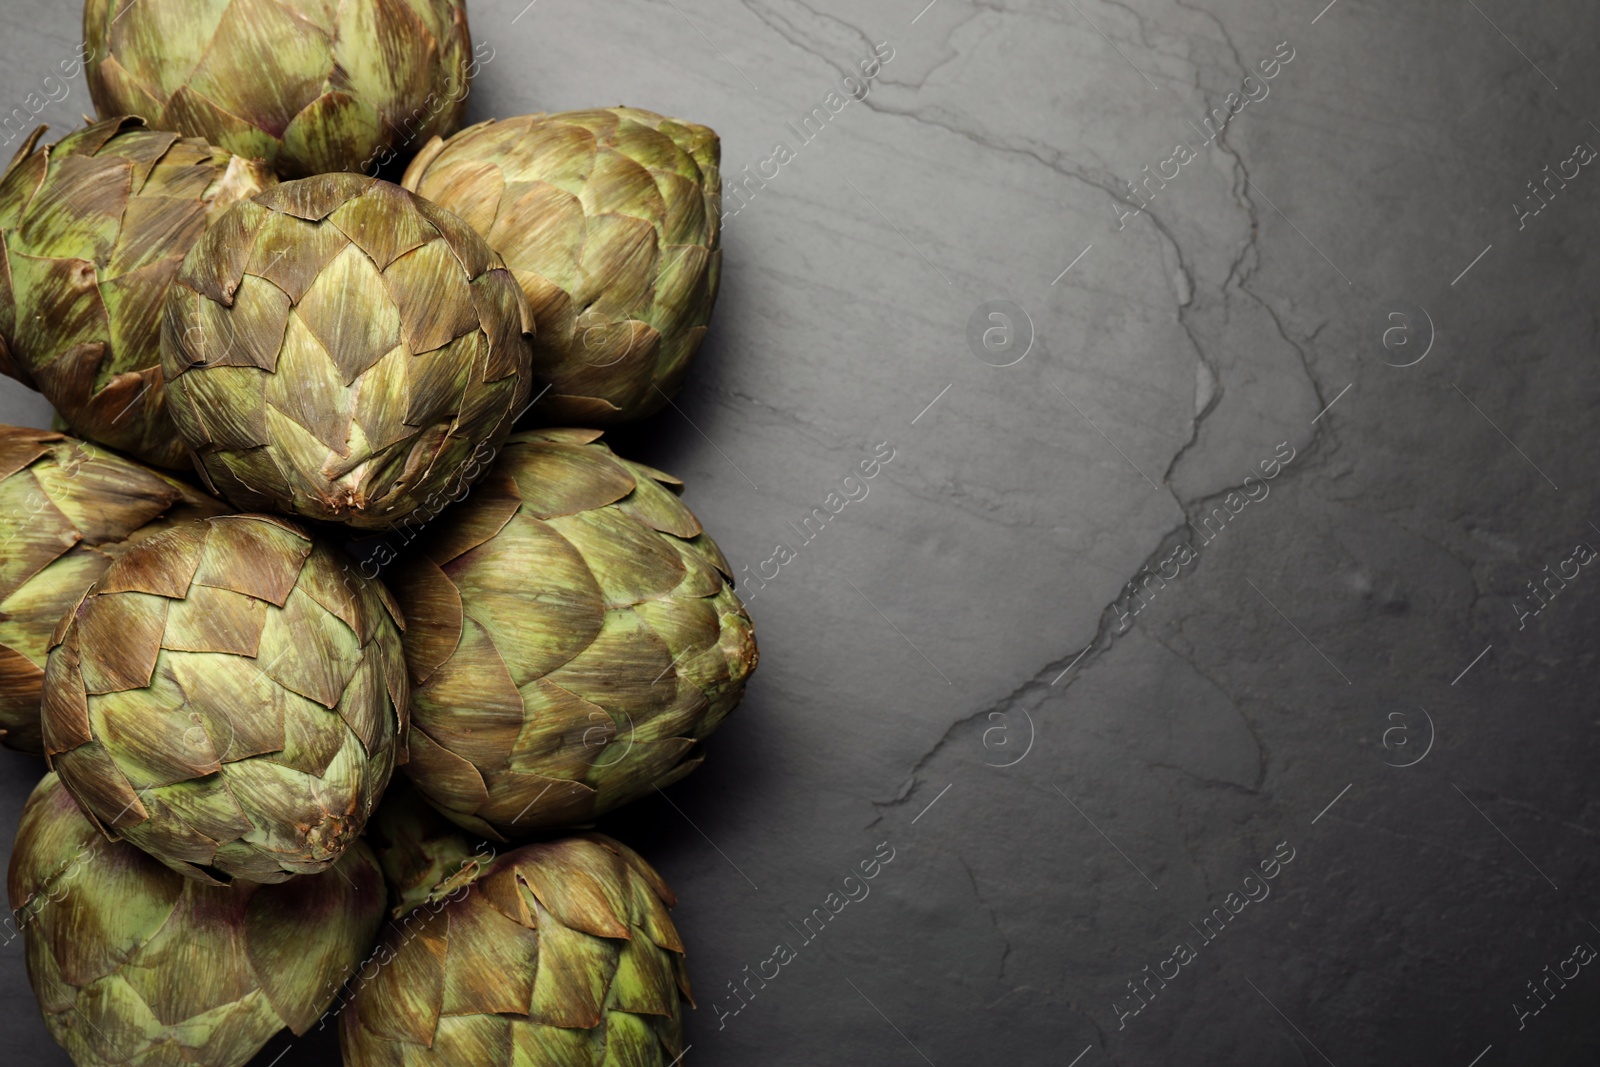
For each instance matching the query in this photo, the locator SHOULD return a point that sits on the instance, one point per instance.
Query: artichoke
(573, 633)
(341, 349)
(133, 964)
(308, 85)
(92, 229)
(417, 848)
(67, 509)
(611, 220)
(230, 699)
(559, 954)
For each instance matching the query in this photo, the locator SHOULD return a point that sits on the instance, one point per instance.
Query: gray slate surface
(942, 668)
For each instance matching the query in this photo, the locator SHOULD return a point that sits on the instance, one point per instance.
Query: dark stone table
(1184, 655)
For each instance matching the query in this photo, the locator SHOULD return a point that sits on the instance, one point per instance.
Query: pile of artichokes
(315, 511)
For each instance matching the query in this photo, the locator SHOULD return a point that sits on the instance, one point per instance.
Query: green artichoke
(67, 509)
(344, 350)
(92, 229)
(417, 848)
(560, 954)
(308, 85)
(133, 964)
(229, 698)
(611, 220)
(573, 633)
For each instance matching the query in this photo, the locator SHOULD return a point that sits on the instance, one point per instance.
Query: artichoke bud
(230, 698)
(340, 349)
(92, 230)
(573, 634)
(133, 964)
(561, 953)
(423, 855)
(308, 85)
(67, 510)
(611, 221)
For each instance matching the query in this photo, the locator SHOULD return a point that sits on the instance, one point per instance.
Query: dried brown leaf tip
(339, 349)
(573, 634)
(559, 953)
(611, 221)
(230, 698)
(92, 230)
(67, 510)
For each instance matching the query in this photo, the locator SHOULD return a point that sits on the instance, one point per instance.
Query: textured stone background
(960, 618)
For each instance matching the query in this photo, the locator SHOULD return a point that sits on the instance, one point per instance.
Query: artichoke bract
(560, 954)
(229, 698)
(308, 85)
(573, 633)
(611, 220)
(67, 509)
(92, 229)
(133, 964)
(341, 349)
